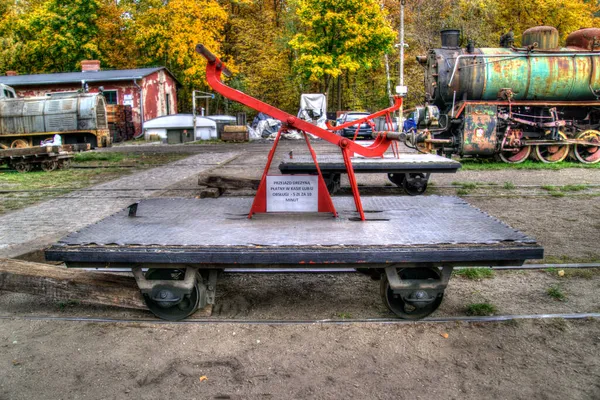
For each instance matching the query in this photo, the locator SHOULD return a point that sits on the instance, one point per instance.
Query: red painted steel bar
(382, 142)
(215, 67)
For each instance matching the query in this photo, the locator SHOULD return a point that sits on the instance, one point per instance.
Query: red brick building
(151, 92)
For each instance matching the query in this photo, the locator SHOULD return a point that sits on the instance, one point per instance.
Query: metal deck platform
(407, 163)
(213, 232)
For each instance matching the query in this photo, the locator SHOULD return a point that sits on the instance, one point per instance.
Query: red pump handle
(215, 67)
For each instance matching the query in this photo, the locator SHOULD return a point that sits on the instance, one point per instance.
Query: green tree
(337, 37)
(54, 35)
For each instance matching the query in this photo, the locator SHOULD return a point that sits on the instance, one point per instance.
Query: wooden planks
(62, 284)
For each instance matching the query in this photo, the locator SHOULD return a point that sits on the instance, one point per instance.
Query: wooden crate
(234, 133)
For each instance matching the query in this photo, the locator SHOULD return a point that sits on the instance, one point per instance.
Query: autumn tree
(337, 37)
(54, 35)
(257, 37)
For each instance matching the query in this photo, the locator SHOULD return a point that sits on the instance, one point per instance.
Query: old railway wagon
(538, 100)
(77, 118)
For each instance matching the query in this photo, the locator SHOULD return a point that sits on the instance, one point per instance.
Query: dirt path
(533, 360)
(550, 359)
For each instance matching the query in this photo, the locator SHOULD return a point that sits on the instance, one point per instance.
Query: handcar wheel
(23, 167)
(396, 179)
(49, 165)
(401, 305)
(587, 154)
(171, 310)
(415, 185)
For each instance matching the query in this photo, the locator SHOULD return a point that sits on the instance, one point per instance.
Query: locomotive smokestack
(450, 38)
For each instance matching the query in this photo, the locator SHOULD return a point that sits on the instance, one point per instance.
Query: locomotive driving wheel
(515, 157)
(587, 154)
(553, 153)
(412, 304)
(165, 302)
(19, 144)
(512, 150)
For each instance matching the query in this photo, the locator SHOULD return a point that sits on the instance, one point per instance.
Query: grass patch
(480, 164)
(98, 156)
(344, 315)
(475, 273)
(573, 188)
(62, 305)
(557, 194)
(481, 309)
(462, 192)
(37, 186)
(466, 185)
(583, 273)
(509, 185)
(556, 293)
(210, 141)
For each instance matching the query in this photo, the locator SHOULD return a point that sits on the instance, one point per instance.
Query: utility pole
(200, 95)
(401, 88)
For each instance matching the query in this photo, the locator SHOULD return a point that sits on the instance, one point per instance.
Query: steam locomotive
(510, 102)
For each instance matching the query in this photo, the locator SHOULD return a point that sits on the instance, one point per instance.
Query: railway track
(358, 321)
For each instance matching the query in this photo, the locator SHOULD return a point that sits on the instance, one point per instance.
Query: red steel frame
(215, 67)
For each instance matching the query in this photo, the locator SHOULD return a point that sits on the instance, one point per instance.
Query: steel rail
(482, 185)
(358, 321)
(353, 270)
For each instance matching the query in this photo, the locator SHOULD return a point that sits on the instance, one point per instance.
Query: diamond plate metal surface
(406, 162)
(222, 222)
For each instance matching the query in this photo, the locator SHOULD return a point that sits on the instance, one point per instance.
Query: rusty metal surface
(60, 114)
(546, 37)
(563, 75)
(479, 135)
(585, 39)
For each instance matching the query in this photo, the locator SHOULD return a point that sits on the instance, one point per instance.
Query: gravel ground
(550, 359)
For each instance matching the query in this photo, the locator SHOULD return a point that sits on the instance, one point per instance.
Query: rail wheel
(415, 184)
(415, 304)
(333, 182)
(49, 165)
(396, 179)
(167, 304)
(552, 153)
(22, 167)
(19, 144)
(511, 157)
(64, 164)
(587, 154)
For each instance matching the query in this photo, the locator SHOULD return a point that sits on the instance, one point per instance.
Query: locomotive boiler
(537, 100)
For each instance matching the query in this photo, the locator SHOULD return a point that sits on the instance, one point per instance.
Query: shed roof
(77, 77)
(182, 121)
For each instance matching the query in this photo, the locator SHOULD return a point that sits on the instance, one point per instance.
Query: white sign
(292, 193)
(128, 100)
